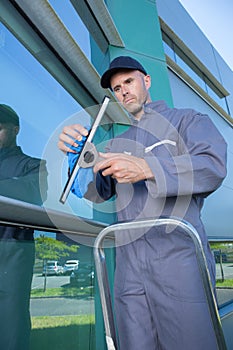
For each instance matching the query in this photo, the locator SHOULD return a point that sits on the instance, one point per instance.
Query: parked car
(70, 265)
(83, 276)
(53, 268)
(217, 256)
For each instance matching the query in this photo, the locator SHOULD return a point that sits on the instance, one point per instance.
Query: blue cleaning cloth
(84, 175)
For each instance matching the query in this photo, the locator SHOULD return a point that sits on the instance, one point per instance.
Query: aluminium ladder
(102, 278)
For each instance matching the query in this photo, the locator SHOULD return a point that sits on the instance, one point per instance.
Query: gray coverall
(159, 298)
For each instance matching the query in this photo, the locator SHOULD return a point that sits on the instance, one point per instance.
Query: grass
(70, 332)
(72, 292)
(226, 283)
(63, 332)
(58, 321)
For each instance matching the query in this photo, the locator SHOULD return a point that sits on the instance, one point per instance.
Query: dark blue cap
(120, 63)
(8, 115)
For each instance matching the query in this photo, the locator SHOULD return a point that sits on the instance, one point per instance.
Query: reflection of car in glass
(52, 268)
(70, 265)
(217, 256)
(83, 276)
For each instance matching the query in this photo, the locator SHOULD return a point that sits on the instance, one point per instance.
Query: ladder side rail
(103, 283)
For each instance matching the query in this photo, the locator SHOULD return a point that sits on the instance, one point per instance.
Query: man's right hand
(69, 135)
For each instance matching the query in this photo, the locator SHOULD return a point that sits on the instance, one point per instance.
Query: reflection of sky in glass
(73, 23)
(42, 104)
(179, 58)
(35, 95)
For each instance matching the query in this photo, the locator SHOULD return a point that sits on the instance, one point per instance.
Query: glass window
(62, 299)
(61, 304)
(73, 23)
(175, 53)
(43, 107)
(216, 95)
(223, 254)
(191, 73)
(168, 47)
(190, 68)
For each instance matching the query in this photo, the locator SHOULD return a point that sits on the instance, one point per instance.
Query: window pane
(62, 301)
(43, 107)
(169, 51)
(190, 68)
(216, 95)
(73, 23)
(168, 47)
(61, 306)
(175, 53)
(223, 254)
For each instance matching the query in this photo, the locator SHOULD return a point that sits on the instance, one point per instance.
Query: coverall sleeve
(31, 187)
(103, 187)
(200, 166)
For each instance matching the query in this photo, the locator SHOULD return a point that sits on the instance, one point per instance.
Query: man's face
(131, 90)
(8, 134)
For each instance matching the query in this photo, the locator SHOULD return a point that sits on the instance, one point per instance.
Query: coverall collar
(157, 106)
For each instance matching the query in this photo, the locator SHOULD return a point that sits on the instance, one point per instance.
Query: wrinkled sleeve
(200, 166)
(32, 187)
(102, 187)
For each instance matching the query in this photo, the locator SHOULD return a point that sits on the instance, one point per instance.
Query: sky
(215, 19)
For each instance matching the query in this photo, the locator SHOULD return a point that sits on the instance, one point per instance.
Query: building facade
(52, 55)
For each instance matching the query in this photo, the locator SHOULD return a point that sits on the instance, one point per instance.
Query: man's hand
(124, 168)
(68, 136)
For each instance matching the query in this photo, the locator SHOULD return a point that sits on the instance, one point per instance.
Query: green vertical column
(138, 24)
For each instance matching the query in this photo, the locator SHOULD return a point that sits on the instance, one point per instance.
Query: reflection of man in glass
(24, 178)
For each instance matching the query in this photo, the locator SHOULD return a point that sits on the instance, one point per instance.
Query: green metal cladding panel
(138, 24)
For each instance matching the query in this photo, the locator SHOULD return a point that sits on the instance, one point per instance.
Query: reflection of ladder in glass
(102, 278)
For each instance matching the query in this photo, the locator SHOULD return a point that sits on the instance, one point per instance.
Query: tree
(48, 248)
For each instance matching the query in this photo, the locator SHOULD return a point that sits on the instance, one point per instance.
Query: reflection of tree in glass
(48, 248)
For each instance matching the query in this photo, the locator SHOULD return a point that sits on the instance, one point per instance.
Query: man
(166, 163)
(24, 178)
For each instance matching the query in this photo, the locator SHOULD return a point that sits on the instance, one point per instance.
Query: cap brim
(106, 77)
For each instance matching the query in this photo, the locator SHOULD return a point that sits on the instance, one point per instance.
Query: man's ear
(16, 130)
(147, 80)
